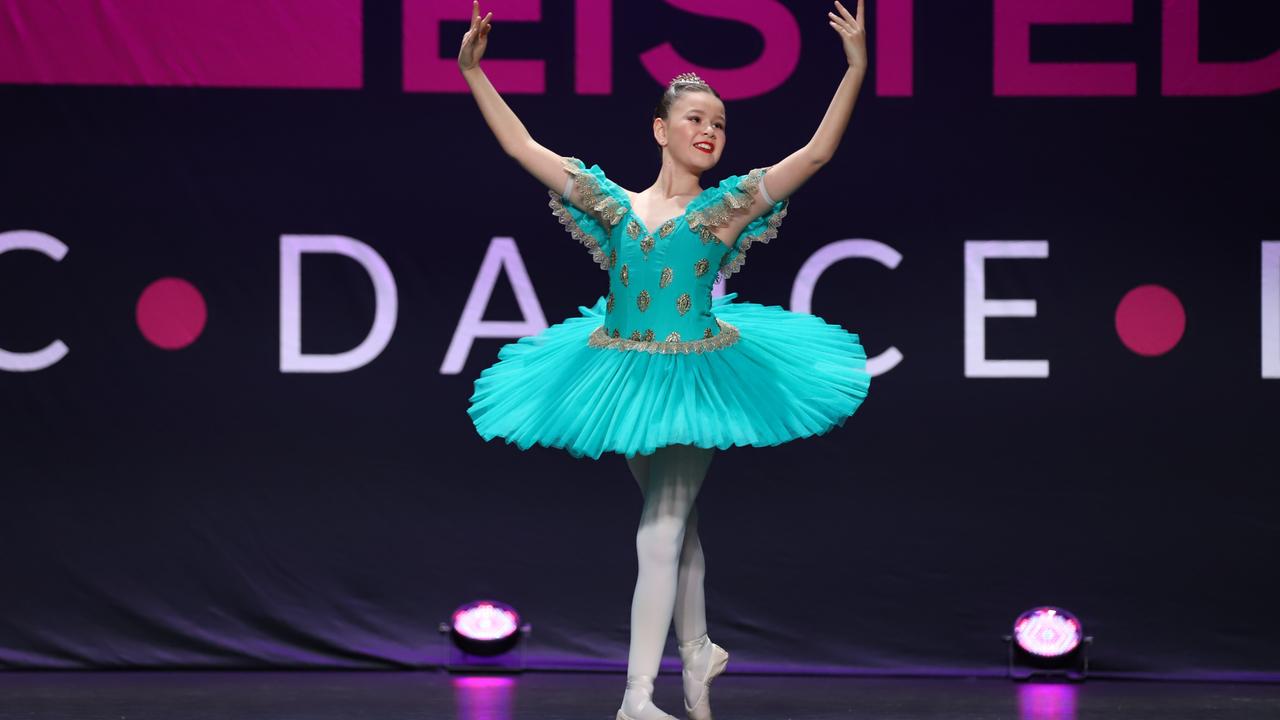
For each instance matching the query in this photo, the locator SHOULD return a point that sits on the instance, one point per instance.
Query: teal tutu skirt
(790, 375)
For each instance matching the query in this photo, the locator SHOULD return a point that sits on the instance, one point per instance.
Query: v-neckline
(631, 208)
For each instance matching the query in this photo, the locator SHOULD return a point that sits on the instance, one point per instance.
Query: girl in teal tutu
(659, 370)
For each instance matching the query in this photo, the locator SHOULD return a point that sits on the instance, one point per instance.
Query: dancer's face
(695, 121)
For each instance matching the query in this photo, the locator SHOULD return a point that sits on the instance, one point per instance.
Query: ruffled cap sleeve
(733, 196)
(605, 205)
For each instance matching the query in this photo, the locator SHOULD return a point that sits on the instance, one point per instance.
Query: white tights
(671, 564)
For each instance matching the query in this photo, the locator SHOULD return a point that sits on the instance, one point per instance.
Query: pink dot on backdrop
(1150, 320)
(171, 313)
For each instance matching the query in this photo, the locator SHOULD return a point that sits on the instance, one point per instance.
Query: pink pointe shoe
(697, 681)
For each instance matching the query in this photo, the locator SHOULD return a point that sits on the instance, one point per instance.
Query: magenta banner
(216, 43)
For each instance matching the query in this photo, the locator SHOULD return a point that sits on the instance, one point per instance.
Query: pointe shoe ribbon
(643, 683)
(700, 683)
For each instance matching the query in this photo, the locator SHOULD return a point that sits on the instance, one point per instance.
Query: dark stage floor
(595, 696)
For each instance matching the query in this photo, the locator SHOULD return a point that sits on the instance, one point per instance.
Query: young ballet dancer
(658, 370)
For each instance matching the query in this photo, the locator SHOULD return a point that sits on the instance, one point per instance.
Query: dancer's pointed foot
(703, 661)
(637, 703)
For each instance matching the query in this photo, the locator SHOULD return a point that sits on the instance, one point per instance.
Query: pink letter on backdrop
(771, 69)
(428, 67)
(231, 43)
(1184, 74)
(593, 40)
(1015, 74)
(894, 47)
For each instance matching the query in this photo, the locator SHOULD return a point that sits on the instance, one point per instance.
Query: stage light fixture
(481, 635)
(1048, 640)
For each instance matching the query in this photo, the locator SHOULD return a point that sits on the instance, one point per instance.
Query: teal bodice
(661, 279)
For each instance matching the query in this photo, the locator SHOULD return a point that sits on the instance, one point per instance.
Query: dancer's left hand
(852, 33)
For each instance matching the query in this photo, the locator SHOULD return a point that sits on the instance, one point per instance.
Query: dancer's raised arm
(786, 176)
(511, 133)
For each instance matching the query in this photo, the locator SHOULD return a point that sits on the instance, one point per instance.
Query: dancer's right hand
(475, 40)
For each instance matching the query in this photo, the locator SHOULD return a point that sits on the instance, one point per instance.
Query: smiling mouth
(707, 148)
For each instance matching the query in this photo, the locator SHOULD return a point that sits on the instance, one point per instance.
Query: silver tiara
(687, 79)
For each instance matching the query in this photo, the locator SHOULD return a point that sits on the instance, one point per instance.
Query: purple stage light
(1048, 640)
(485, 628)
(1047, 631)
(486, 620)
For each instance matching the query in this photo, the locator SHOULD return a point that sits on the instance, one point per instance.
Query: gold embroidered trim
(719, 214)
(633, 229)
(608, 211)
(648, 335)
(598, 200)
(577, 232)
(728, 336)
(770, 231)
(675, 336)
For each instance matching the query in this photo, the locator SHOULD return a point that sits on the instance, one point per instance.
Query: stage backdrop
(253, 255)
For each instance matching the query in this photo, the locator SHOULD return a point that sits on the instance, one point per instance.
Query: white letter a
(502, 253)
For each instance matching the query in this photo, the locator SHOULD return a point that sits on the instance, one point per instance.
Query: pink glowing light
(485, 620)
(1047, 631)
(1047, 701)
(483, 682)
